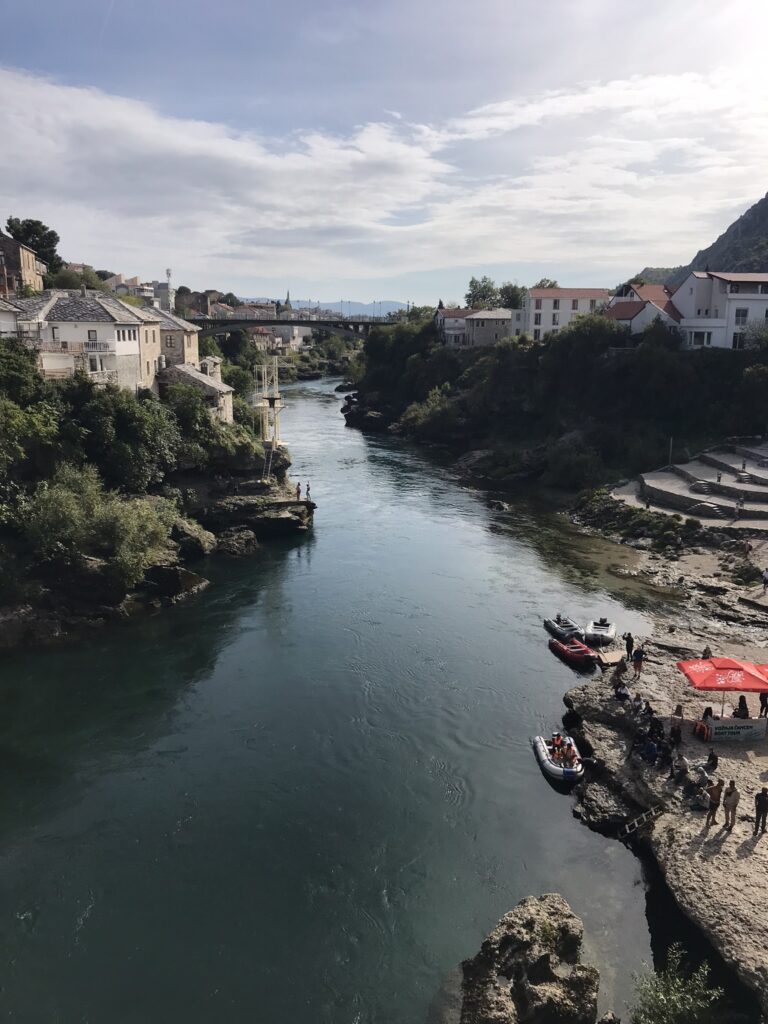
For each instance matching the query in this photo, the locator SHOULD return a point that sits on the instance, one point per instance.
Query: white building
(635, 306)
(451, 328)
(716, 308)
(94, 333)
(548, 310)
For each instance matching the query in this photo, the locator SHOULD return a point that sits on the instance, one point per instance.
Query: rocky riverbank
(230, 514)
(719, 879)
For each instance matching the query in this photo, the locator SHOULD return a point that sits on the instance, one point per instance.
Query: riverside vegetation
(575, 410)
(103, 494)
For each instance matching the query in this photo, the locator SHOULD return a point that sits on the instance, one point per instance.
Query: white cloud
(609, 173)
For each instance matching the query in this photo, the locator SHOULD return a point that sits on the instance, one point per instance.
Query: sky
(388, 150)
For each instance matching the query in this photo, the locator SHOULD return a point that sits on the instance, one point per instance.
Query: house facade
(548, 310)
(635, 306)
(206, 379)
(716, 308)
(487, 326)
(19, 267)
(178, 338)
(451, 326)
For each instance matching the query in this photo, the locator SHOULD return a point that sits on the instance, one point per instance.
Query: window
(55, 333)
(154, 335)
(592, 305)
(701, 338)
(555, 318)
(698, 312)
(536, 335)
(733, 288)
(738, 339)
(147, 367)
(706, 312)
(169, 342)
(482, 323)
(92, 364)
(537, 318)
(189, 343)
(495, 336)
(716, 313)
(574, 303)
(517, 329)
(537, 304)
(91, 335)
(555, 303)
(741, 317)
(764, 289)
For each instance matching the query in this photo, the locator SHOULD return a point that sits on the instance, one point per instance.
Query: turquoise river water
(306, 794)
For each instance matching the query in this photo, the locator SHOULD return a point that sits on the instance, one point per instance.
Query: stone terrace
(693, 488)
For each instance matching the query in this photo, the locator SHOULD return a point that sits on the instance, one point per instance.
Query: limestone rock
(237, 541)
(194, 541)
(345, 387)
(172, 583)
(528, 969)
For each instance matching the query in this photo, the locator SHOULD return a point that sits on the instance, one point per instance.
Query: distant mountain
(742, 248)
(338, 306)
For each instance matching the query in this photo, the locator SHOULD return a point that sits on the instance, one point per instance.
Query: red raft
(574, 652)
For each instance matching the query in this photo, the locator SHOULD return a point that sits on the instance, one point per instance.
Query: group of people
(562, 751)
(306, 492)
(635, 655)
(706, 794)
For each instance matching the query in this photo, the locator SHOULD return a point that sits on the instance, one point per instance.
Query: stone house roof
(170, 321)
(186, 373)
(489, 314)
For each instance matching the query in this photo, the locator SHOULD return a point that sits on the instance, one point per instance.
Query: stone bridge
(341, 325)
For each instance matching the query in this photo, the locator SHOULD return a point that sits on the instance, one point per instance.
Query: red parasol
(725, 674)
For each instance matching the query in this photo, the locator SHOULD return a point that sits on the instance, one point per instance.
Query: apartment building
(548, 310)
(716, 308)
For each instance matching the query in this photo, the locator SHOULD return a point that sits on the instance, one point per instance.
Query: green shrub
(73, 515)
(672, 997)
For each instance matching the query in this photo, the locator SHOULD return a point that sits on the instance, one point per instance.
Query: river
(306, 794)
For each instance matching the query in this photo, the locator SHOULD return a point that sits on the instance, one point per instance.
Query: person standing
(731, 799)
(298, 491)
(761, 809)
(638, 657)
(765, 580)
(629, 642)
(719, 476)
(763, 704)
(306, 491)
(715, 792)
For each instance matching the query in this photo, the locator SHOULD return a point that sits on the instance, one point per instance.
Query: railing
(98, 346)
(74, 348)
(58, 374)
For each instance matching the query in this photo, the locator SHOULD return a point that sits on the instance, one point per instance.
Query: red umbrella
(725, 674)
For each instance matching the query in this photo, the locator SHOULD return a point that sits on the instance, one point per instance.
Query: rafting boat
(574, 652)
(554, 769)
(564, 628)
(600, 631)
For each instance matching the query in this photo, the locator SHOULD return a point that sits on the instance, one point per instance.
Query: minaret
(287, 303)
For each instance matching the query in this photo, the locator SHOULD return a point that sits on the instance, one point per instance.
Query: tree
(671, 997)
(511, 296)
(546, 282)
(37, 236)
(239, 379)
(207, 346)
(482, 294)
(104, 275)
(440, 304)
(66, 279)
(230, 299)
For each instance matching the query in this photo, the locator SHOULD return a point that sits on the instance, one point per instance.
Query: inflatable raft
(574, 652)
(564, 628)
(556, 771)
(601, 631)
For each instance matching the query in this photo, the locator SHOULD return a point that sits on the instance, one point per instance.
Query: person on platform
(629, 643)
(638, 657)
(306, 491)
(731, 798)
(621, 692)
(675, 735)
(763, 704)
(637, 704)
(298, 491)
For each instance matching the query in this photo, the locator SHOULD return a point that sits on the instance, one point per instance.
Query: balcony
(98, 346)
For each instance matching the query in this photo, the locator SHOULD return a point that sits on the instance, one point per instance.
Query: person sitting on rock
(621, 692)
(655, 728)
(637, 704)
(712, 761)
(676, 735)
(679, 770)
(707, 652)
(650, 751)
(707, 713)
(700, 800)
(664, 759)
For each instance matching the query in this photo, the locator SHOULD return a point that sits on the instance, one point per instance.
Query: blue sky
(382, 151)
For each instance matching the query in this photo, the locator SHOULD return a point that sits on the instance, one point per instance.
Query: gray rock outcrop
(529, 969)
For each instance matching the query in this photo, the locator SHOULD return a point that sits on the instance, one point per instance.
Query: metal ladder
(268, 451)
(642, 819)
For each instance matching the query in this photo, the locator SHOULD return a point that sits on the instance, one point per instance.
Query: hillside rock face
(741, 249)
(529, 969)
